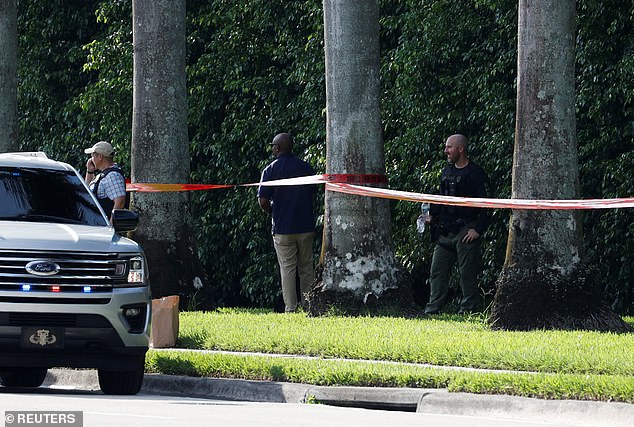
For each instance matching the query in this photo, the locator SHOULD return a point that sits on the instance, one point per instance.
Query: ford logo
(42, 268)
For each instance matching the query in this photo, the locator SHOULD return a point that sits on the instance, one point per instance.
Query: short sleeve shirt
(111, 186)
(292, 205)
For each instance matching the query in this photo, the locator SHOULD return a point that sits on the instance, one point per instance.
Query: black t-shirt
(292, 204)
(469, 181)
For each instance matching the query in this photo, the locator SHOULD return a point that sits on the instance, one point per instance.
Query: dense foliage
(257, 68)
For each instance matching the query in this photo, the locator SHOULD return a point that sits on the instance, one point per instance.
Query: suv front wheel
(122, 382)
(22, 377)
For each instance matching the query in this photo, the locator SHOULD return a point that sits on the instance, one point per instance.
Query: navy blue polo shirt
(292, 204)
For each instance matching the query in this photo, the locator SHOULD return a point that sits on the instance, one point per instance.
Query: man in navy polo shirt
(291, 207)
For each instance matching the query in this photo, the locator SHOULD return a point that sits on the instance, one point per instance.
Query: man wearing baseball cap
(109, 188)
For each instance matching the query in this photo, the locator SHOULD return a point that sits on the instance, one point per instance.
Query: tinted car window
(42, 195)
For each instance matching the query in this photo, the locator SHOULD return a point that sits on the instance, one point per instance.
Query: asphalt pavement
(433, 401)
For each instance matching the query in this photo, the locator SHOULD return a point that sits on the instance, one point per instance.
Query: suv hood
(62, 237)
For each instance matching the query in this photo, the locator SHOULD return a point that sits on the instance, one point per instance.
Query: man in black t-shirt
(293, 222)
(460, 229)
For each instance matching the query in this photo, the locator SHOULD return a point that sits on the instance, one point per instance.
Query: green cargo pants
(448, 250)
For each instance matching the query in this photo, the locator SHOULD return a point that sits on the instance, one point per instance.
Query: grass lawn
(547, 364)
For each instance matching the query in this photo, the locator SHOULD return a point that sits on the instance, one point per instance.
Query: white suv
(73, 291)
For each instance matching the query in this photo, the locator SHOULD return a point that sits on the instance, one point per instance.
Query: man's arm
(119, 203)
(265, 204)
(90, 171)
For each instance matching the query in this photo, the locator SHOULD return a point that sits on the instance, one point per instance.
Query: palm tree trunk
(160, 148)
(546, 282)
(8, 76)
(359, 267)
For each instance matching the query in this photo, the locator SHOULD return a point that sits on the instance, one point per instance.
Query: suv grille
(102, 271)
(54, 319)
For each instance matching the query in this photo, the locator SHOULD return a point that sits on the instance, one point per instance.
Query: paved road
(252, 402)
(156, 411)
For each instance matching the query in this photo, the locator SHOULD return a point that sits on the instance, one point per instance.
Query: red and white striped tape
(482, 202)
(302, 180)
(347, 183)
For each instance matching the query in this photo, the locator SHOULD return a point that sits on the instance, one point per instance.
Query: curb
(587, 413)
(405, 399)
(432, 401)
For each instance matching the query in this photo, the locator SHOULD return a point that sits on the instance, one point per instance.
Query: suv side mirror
(124, 220)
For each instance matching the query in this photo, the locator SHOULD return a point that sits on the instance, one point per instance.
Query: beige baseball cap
(102, 147)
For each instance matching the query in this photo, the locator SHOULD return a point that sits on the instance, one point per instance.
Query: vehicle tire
(22, 377)
(121, 382)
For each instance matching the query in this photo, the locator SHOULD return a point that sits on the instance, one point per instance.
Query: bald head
(459, 140)
(284, 141)
(456, 150)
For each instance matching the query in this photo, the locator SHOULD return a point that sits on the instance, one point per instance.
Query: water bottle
(424, 216)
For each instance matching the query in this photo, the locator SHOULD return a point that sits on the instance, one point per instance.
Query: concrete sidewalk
(435, 401)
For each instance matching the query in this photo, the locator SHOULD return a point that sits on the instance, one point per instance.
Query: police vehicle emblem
(43, 337)
(42, 268)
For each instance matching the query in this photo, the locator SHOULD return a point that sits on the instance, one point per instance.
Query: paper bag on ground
(164, 322)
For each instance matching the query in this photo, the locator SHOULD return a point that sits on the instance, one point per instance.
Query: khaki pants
(295, 255)
(448, 250)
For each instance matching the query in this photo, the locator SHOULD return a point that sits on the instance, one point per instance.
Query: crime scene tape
(302, 180)
(348, 184)
(160, 188)
(482, 202)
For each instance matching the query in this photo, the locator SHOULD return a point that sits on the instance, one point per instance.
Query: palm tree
(8, 76)
(160, 147)
(358, 260)
(545, 282)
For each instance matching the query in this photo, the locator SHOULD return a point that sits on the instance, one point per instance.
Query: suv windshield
(45, 195)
